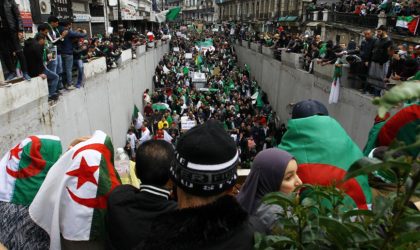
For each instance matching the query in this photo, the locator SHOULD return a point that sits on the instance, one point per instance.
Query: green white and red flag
(324, 153)
(24, 168)
(73, 198)
(408, 22)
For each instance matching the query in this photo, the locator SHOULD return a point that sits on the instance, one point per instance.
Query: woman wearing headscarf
(273, 170)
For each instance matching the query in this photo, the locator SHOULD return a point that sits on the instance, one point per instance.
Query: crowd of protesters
(227, 94)
(369, 7)
(57, 50)
(377, 62)
(185, 196)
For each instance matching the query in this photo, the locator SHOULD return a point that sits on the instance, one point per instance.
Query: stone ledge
(22, 93)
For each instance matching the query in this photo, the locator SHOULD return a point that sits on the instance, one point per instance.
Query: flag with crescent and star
(73, 198)
(24, 168)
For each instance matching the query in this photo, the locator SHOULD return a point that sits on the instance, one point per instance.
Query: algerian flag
(24, 167)
(257, 99)
(72, 201)
(165, 70)
(145, 135)
(167, 137)
(402, 127)
(408, 22)
(160, 106)
(324, 153)
(137, 118)
(168, 15)
(198, 60)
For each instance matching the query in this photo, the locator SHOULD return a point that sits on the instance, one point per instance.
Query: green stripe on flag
(26, 188)
(173, 13)
(136, 111)
(321, 139)
(97, 230)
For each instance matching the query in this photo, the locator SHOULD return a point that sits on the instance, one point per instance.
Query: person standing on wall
(11, 30)
(56, 39)
(67, 53)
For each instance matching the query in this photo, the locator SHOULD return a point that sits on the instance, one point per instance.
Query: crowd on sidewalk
(377, 62)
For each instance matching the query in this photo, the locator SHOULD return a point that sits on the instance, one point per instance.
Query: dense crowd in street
(205, 118)
(227, 93)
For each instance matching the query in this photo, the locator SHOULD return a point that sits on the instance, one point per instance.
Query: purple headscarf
(265, 177)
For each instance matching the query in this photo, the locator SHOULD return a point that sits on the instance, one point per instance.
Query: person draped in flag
(22, 172)
(324, 152)
(72, 202)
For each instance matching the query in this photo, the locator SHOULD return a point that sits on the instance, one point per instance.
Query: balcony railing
(368, 21)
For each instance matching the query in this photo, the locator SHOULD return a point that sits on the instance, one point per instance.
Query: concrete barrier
(254, 47)
(286, 85)
(326, 72)
(106, 103)
(292, 59)
(94, 67)
(141, 50)
(267, 51)
(126, 55)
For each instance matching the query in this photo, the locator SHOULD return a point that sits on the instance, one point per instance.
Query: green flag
(324, 153)
(24, 168)
(173, 14)
(135, 112)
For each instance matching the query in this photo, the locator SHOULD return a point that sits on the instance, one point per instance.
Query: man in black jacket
(34, 51)
(11, 31)
(208, 216)
(131, 211)
(380, 59)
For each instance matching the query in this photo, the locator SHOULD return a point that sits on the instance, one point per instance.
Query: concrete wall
(285, 85)
(106, 102)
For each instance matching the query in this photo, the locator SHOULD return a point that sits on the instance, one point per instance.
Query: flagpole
(417, 25)
(119, 13)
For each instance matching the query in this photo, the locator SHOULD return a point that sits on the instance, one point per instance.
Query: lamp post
(119, 14)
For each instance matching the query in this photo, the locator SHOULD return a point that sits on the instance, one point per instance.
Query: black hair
(39, 36)
(43, 26)
(52, 19)
(153, 161)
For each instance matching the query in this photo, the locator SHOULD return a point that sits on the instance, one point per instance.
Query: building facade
(259, 10)
(200, 10)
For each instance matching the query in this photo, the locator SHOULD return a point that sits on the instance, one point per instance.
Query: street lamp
(119, 14)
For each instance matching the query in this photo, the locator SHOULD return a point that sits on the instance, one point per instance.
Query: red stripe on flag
(327, 175)
(413, 25)
(391, 128)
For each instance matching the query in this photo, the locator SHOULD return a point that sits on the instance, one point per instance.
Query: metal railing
(368, 21)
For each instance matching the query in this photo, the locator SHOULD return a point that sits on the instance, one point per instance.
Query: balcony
(368, 21)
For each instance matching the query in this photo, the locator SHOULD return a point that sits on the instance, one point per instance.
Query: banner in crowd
(187, 124)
